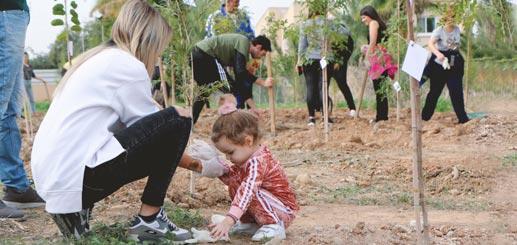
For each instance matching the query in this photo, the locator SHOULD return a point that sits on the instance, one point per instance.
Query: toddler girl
(263, 203)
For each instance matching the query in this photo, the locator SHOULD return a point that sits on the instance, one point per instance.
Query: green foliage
(58, 9)
(185, 218)
(42, 106)
(76, 28)
(510, 160)
(57, 22)
(187, 25)
(443, 105)
(106, 234)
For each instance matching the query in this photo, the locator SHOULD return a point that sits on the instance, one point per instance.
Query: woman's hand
(268, 82)
(364, 48)
(221, 230)
(182, 111)
(440, 56)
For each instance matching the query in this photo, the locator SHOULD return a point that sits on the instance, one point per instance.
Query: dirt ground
(356, 188)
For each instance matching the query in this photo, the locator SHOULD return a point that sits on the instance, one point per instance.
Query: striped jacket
(261, 174)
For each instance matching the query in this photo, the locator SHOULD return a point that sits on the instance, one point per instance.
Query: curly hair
(236, 126)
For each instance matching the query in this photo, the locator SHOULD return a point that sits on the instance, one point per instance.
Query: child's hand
(221, 230)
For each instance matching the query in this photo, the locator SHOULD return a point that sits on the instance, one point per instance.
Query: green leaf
(58, 9)
(73, 4)
(76, 28)
(57, 22)
(75, 20)
(73, 12)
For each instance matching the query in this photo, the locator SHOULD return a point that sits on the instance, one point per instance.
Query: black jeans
(341, 79)
(313, 80)
(381, 99)
(453, 78)
(153, 148)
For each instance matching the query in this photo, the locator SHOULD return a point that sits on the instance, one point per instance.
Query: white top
(107, 93)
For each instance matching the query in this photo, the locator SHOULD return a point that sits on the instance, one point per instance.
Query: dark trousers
(205, 73)
(313, 80)
(341, 79)
(381, 98)
(154, 146)
(453, 78)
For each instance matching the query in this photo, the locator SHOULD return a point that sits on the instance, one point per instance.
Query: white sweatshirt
(108, 92)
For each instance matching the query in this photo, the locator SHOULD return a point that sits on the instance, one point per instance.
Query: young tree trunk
(416, 132)
(361, 93)
(271, 93)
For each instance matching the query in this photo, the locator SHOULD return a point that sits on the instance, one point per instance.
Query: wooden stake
(271, 94)
(467, 68)
(173, 84)
(46, 89)
(325, 93)
(192, 185)
(28, 116)
(163, 85)
(398, 59)
(416, 132)
(361, 93)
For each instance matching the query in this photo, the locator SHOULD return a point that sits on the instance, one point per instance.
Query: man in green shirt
(14, 18)
(231, 50)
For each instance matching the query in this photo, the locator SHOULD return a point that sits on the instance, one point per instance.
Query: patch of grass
(510, 160)
(42, 106)
(443, 105)
(469, 204)
(367, 103)
(349, 191)
(106, 234)
(117, 233)
(184, 218)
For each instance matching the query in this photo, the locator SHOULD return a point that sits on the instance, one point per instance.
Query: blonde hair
(139, 29)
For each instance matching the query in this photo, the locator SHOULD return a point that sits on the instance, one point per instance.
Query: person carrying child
(263, 202)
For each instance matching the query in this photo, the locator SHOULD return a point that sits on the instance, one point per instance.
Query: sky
(40, 34)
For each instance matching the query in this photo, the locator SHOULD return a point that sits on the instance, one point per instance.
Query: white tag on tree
(415, 60)
(323, 63)
(70, 47)
(190, 2)
(396, 86)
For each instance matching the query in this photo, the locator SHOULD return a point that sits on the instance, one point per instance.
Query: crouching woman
(103, 130)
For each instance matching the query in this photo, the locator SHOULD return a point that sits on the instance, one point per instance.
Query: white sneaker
(244, 228)
(352, 113)
(269, 232)
(311, 121)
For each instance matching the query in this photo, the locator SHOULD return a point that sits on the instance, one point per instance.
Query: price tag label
(323, 63)
(396, 86)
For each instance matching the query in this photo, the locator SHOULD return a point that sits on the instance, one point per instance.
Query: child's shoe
(244, 228)
(269, 232)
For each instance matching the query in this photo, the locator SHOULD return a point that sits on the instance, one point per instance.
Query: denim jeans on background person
(30, 94)
(13, 25)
